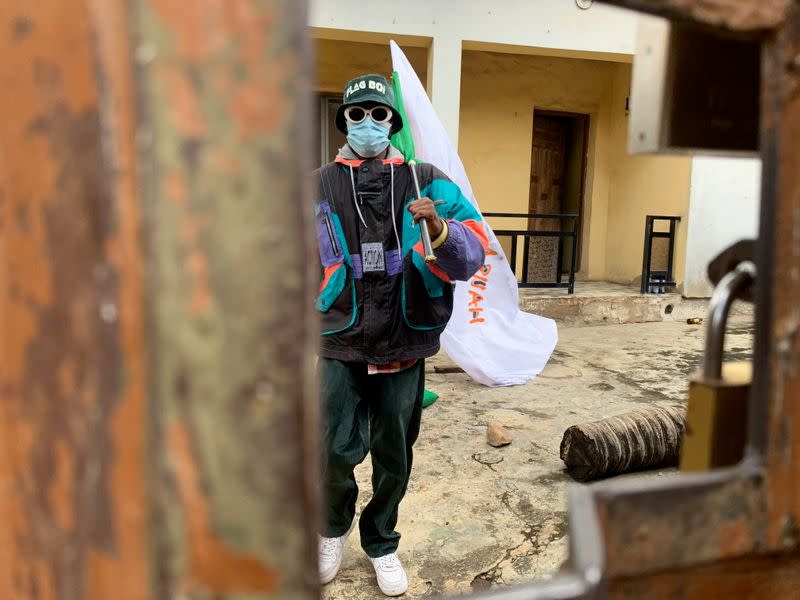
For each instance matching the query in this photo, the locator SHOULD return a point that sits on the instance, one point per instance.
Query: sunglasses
(379, 114)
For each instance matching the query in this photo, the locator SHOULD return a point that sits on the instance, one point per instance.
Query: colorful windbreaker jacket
(379, 307)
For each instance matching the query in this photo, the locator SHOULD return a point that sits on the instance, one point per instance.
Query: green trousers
(368, 414)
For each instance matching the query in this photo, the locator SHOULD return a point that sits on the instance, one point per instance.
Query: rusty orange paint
(214, 566)
(66, 377)
(18, 438)
(735, 538)
(195, 264)
(259, 103)
(51, 63)
(69, 158)
(231, 64)
(228, 163)
(27, 180)
(175, 187)
(200, 298)
(782, 75)
(752, 578)
(199, 27)
(253, 24)
(183, 101)
(130, 562)
(61, 489)
(258, 107)
(202, 30)
(24, 187)
(43, 576)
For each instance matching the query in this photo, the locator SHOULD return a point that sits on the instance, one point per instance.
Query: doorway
(559, 151)
(327, 138)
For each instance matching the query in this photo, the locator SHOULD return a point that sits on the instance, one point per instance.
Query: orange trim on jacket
(432, 266)
(477, 227)
(356, 162)
(329, 271)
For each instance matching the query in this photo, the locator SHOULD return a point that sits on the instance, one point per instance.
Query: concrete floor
(477, 517)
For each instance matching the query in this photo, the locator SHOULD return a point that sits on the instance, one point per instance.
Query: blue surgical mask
(368, 138)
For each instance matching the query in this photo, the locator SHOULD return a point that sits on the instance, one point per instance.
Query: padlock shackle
(729, 288)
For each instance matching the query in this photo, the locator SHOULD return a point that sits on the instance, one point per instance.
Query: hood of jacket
(346, 153)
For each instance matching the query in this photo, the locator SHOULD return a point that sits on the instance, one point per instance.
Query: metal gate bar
(158, 414)
(528, 234)
(667, 278)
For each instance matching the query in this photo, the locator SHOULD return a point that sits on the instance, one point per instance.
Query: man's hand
(424, 208)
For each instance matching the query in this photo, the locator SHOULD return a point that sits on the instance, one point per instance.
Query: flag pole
(427, 246)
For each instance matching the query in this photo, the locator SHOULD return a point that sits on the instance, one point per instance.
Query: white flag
(500, 344)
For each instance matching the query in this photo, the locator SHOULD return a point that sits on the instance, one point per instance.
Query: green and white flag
(488, 335)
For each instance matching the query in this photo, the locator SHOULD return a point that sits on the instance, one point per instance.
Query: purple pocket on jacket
(394, 262)
(330, 251)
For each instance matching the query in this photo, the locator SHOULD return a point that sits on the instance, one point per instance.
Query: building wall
(556, 24)
(724, 208)
(499, 95)
(338, 61)
(640, 185)
(540, 27)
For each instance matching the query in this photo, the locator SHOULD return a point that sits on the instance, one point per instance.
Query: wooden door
(548, 158)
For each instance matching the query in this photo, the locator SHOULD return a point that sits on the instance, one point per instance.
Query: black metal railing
(656, 281)
(570, 232)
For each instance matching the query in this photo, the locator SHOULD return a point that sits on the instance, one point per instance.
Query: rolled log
(642, 439)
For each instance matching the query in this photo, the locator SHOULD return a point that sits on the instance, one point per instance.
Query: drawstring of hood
(355, 197)
(346, 153)
(394, 221)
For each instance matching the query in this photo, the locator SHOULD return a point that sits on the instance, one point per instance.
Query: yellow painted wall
(641, 185)
(339, 61)
(499, 93)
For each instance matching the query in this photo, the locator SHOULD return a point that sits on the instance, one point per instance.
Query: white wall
(557, 26)
(723, 208)
(543, 23)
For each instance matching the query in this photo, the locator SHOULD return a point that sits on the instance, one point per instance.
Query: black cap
(365, 90)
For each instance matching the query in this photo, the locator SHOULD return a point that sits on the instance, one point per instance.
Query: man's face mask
(368, 129)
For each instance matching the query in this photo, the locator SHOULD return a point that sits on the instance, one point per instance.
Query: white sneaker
(391, 576)
(330, 556)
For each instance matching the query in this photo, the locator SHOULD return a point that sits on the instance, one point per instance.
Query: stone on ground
(497, 435)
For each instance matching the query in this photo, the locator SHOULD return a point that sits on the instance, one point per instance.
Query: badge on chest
(372, 257)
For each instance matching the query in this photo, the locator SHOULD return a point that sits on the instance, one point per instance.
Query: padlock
(716, 417)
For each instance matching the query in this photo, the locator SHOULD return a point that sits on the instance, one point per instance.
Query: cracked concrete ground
(477, 517)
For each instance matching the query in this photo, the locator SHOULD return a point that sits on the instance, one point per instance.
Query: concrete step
(593, 307)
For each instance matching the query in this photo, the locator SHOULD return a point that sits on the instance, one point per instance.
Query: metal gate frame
(158, 414)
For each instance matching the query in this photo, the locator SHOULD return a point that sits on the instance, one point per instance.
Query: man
(382, 309)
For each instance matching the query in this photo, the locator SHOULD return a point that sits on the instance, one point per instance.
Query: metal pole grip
(424, 234)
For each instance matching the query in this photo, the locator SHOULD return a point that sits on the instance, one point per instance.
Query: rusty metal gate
(156, 414)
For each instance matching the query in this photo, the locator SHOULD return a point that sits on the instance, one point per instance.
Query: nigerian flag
(505, 346)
